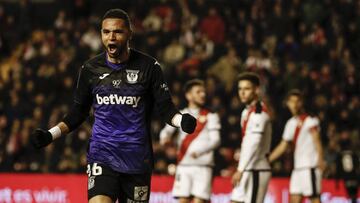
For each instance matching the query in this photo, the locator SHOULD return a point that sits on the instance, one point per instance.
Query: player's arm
(77, 114)
(278, 151)
(317, 141)
(166, 133)
(287, 137)
(166, 107)
(214, 135)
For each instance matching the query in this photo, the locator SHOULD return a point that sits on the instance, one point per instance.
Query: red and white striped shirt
(256, 141)
(298, 129)
(202, 141)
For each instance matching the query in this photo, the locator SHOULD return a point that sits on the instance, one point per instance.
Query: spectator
(213, 26)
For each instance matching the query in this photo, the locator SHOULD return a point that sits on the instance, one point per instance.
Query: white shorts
(193, 181)
(252, 187)
(305, 182)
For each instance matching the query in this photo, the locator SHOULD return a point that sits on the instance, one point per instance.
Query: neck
(124, 56)
(253, 102)
(193, 106)
(299, 113)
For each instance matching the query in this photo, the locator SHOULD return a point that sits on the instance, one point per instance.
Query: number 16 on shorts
(92, 171)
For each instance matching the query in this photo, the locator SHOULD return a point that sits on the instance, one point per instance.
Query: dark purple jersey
(123, 100)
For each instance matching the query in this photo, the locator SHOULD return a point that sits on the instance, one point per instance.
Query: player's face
(115, 36)
(294, 103)
(197, 95)
(246, 91)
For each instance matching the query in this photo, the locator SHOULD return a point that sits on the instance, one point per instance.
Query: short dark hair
(250, 76)
(191, 83)
(294, 92)
(118, 13)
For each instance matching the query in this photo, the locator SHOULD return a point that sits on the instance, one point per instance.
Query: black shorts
(130, 188)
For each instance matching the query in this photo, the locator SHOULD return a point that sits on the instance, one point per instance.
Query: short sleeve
(160, 89)
(289, 131)
(258, 122)
(314, 124)
(213, 122)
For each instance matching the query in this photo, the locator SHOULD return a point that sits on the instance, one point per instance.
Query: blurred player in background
(196, 150)
(304, 131)
(123, 86)
(252, 177)
(348, 168)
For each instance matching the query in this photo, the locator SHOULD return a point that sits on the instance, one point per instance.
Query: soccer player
(251, 179)
(303, 131)
(122, 85)
(196, 150)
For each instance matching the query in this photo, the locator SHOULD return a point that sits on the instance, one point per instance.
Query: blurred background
(311, 45)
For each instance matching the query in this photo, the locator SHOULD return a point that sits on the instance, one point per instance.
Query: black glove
(188, 123)
(41, 138)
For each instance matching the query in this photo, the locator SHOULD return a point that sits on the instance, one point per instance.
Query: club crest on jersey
(132, 76)
(116, 83)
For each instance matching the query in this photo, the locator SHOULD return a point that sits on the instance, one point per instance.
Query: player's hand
(236, 178)
(188, 123)
(322, 165)
(41, 138)
(165, 141)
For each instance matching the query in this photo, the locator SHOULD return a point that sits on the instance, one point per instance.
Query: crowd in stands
(310, 45)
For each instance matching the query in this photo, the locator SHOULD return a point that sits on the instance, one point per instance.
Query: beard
(248, 100)
(115, 50)
(199, 103)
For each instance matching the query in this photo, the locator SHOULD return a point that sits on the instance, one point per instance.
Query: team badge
(132, 76)
(141, 193)
(116, 83)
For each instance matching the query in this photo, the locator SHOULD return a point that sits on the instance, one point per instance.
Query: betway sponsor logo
(115, 99)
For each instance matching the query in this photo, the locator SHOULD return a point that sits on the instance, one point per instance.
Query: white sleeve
(213, 122)
(289, 130)
(166, 132)
(213, 127)
(252, 140)
(314, 123)
(258, 122)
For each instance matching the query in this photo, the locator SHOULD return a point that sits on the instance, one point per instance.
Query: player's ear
(257, 90)
(286, 103)
(130, 34)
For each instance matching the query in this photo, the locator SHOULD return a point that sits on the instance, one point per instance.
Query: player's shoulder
(141, 57)
(184, 110)
(209, 111)
(313, 120)
(95, 61)
(212, 115)
(261, 111)
(291, 121)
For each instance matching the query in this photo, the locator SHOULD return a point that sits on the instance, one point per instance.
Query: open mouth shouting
(113, 49)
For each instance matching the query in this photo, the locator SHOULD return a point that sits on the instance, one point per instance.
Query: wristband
(55, 132)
